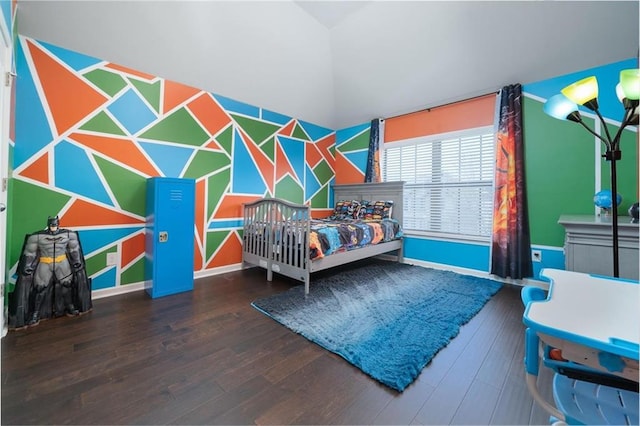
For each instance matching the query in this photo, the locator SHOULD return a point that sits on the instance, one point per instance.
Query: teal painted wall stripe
(231, 105)
(471, 256)
(275, 117)
(225, 224)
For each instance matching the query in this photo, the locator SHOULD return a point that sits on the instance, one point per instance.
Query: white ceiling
(330, 13)
(341, 63)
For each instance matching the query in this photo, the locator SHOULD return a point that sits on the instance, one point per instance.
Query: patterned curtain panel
(372, 173)
(511, 245)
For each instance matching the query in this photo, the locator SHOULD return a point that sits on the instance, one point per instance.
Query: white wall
(268, 54)
(383, 58)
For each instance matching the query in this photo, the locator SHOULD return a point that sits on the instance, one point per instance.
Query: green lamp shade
(630, 82)
(582, 91)
(560, 107)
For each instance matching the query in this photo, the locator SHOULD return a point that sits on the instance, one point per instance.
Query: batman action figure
(52, 280)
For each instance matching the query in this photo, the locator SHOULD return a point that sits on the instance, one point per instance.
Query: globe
(602, 199)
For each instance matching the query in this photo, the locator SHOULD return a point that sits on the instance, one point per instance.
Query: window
(448, 182)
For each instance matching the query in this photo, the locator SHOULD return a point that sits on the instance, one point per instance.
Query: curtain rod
(493, 92)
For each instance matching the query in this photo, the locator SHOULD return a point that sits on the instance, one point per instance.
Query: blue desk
(595, 322)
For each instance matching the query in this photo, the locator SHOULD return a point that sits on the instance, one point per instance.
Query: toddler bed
(281, 237)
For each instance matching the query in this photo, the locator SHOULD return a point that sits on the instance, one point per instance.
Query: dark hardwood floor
(208, 357)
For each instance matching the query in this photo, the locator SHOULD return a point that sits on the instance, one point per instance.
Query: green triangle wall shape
(323, 172)
(321, 199)
(40, 203)
(109, 82)
(204, 162)
(257, 130)
(104, 124)
(98, 261)
(225, 139)
(129, 188)
(289, 190)
(299, 133)
(269, 148)
(359, 142)
(214, 239)
(216, 186)
(133, 274)
(150, 91)
(179, 127)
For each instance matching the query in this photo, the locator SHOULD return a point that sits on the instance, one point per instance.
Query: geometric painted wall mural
(86, 135)
(89, 133)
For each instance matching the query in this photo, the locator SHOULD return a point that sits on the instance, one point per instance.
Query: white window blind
(448, 182)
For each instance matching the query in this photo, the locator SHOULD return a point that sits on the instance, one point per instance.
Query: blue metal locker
(169, 238)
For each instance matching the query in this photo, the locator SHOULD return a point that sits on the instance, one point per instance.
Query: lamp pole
(613, 154)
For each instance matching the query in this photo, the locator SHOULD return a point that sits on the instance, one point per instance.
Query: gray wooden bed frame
(286, 256)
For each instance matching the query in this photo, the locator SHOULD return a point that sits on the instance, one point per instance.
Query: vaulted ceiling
(331, 13)
(342, 63)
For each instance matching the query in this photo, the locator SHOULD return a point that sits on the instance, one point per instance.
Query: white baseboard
(219, 270)
(114, 291)
(130, 288)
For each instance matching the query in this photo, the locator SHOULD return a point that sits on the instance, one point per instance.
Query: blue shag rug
(388, 319)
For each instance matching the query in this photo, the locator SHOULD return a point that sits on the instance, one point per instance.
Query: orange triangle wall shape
(324, 145)
(69, 98)
(230, 253)
(282, 164)
(313, 155)
(176, 93)
(122, 150)
(38, 170)
(209, 113)
(83, 213)
(288, 129)
(131, 249)
(230, 206)
(214, 145)
(347, 172)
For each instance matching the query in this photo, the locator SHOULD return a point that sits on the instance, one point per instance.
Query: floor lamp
(564, 106)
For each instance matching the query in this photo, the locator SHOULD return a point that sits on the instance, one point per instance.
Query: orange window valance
(476, 112)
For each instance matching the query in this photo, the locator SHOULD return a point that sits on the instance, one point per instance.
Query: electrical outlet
(112, 259)
(536, 255)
